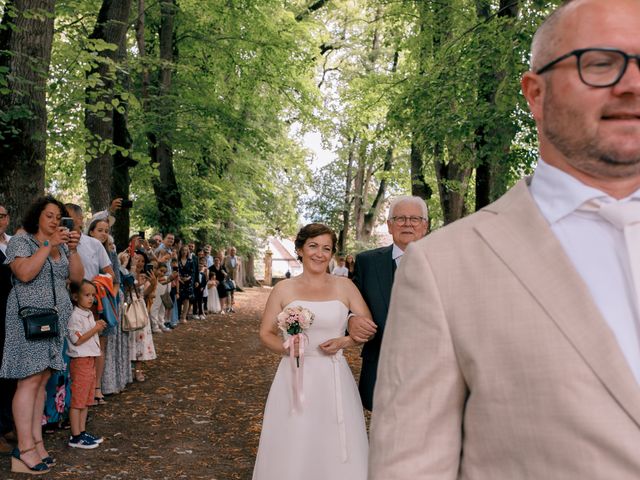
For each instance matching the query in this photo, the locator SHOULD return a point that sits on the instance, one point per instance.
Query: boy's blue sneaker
(97, 440)
(81, 441)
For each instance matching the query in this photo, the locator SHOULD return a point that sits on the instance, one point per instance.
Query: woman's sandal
(49, 461)
(19, 466)
(99, 399)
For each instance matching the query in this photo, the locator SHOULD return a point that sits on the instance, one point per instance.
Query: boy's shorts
(83, 381)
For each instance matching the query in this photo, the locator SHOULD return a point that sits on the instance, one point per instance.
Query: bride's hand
(332, 346)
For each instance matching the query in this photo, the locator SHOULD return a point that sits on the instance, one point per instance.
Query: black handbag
(40, 323)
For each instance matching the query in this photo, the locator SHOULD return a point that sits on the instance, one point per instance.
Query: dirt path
(197, 416)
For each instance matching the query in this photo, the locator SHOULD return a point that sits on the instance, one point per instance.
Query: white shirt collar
(83, 312)
(558, 194)
(397, 252)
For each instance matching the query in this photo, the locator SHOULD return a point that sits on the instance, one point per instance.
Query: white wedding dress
(327, 438)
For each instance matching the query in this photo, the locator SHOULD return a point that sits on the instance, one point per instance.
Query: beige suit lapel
(521, 237)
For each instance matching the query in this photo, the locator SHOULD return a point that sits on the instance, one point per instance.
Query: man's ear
(534, 90)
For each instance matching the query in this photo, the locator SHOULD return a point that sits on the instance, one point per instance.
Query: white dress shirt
(81, 322)
(93, 256)
(340, 271)
(396, 254)
(597, 250)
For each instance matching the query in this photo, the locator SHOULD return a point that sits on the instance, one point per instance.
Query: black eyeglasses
(597, 67)
(402, 220)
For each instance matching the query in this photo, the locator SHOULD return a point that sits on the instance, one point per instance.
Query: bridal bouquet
(294, 321)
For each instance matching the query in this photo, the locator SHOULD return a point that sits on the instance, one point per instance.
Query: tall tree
(123, 159)
(104, 42)
(26, 34)
(165, 185)
(496, 131)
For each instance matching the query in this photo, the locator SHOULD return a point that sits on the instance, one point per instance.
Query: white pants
(156, 315)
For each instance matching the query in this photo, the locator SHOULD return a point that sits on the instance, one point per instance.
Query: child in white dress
(213, 301)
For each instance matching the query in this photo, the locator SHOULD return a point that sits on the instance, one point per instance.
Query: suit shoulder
(368, 254)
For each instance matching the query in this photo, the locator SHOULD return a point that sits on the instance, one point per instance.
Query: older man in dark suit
(373, 275)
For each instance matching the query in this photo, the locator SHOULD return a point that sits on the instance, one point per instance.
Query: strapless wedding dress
(326, 439)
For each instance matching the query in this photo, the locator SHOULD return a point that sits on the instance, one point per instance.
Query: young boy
(340, 270)
(83, 348)
(199, 289)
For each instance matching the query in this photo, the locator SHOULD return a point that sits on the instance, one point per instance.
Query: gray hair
(74, 207)
(409, 199)
(547, 37)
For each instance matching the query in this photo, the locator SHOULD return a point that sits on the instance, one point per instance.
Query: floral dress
(117, 367)
(22, 357)
(141, 344)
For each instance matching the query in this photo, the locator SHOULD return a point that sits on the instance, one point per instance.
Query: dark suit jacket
(373, 276)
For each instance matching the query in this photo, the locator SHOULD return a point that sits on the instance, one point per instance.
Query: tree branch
(312, 7)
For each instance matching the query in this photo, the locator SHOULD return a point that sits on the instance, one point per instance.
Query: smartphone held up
(67, 222)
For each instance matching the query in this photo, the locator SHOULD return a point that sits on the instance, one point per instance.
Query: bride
(323, 435)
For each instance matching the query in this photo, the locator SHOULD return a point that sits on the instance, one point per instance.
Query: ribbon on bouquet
(297, 368)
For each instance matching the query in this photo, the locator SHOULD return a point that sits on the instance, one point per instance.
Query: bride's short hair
(313, 230)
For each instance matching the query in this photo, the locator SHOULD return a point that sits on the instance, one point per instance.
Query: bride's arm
(333, 345)
(269, 335)
(356, 305)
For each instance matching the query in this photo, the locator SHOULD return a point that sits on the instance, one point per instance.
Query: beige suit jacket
(497, 365)
(235, 273)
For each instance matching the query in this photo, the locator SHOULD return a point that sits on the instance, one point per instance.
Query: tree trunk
(374, 210)
(249, 272)
(346, 209)
(358, 191)
(25, 55)
(452, 176)
(492, 139)
(453, 180)
(166, 186)
(111, 27)
(121, 164)
(142, 48)
(419, 185)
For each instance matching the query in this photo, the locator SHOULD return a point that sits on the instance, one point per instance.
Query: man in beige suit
(512, 348)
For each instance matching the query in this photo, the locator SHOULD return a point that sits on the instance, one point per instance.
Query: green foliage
(373, 76)
(243, 73)
(454, 92)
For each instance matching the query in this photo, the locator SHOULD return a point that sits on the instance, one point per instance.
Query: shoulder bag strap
(53, 285)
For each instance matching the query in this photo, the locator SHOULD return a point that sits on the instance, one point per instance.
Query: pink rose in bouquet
(294, 321)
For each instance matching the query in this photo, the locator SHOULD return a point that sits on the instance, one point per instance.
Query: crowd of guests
(53, 261)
